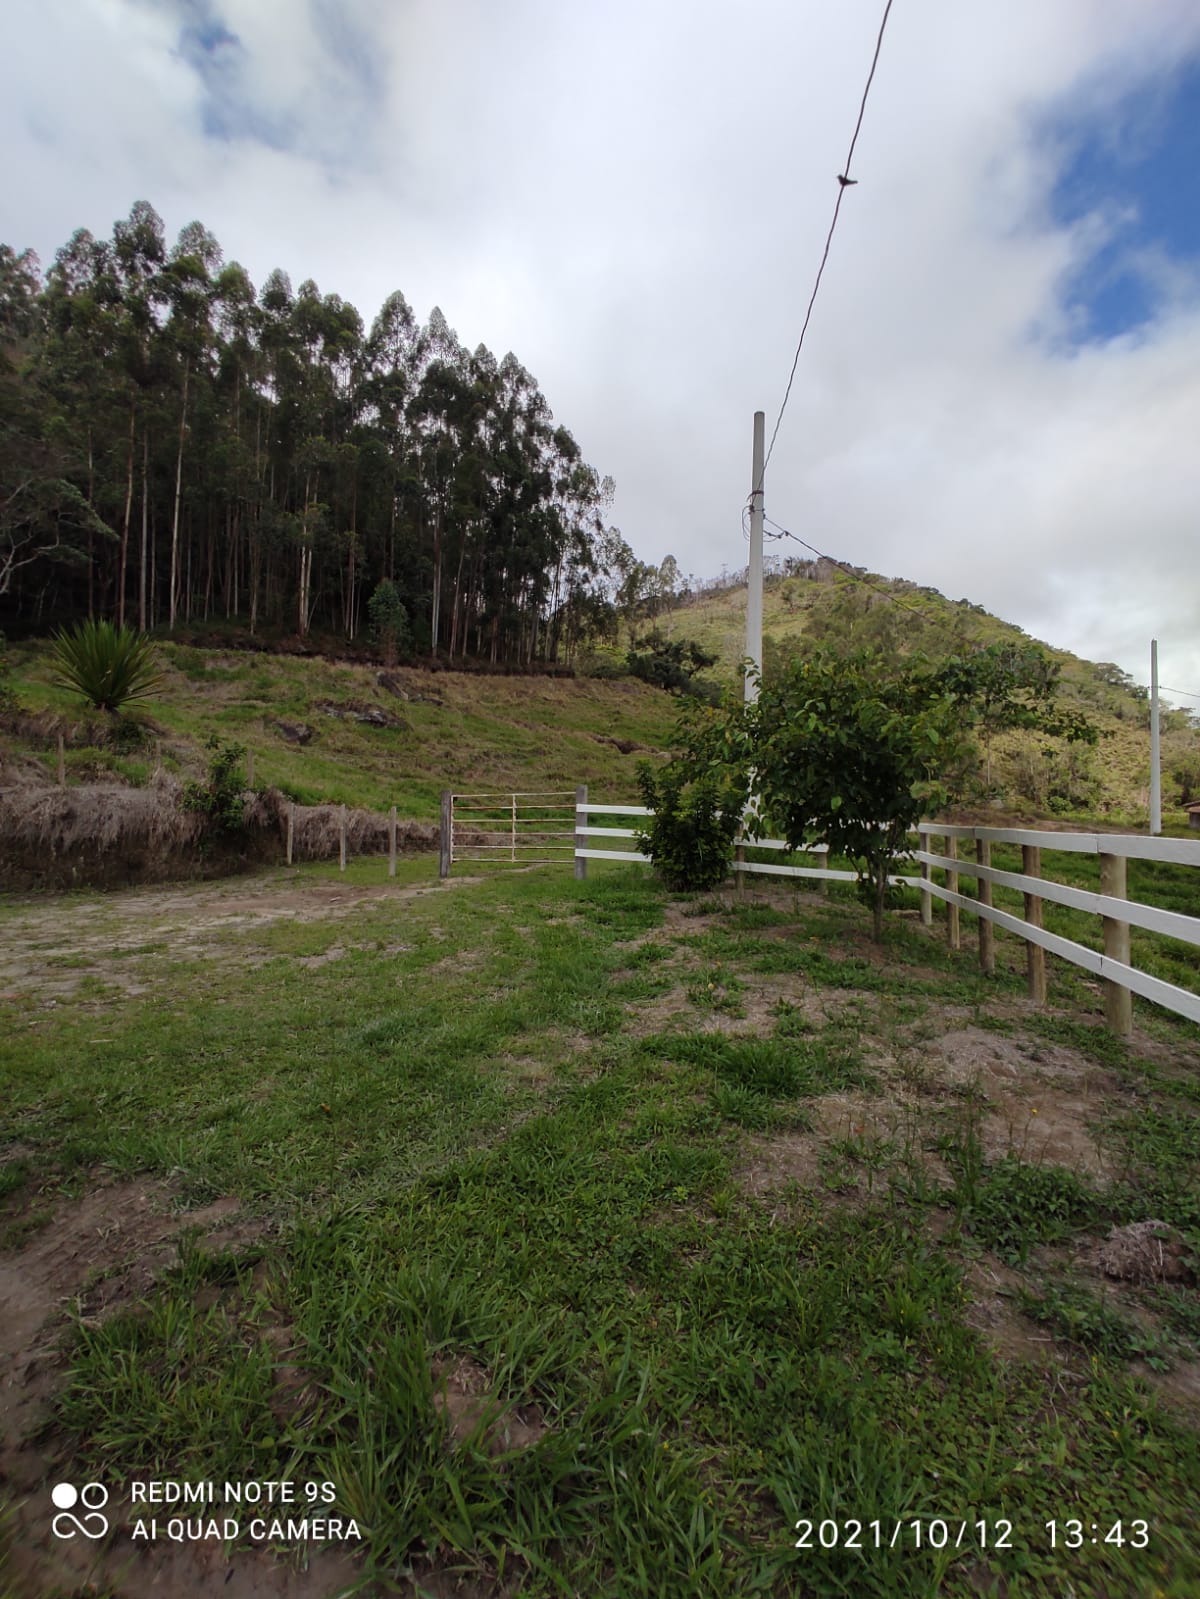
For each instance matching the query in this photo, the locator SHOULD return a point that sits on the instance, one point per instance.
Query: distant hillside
(342, 732)
(816, 601)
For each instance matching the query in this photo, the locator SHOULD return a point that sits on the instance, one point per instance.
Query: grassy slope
(455, 731)
(496, 733)
(524, 1144)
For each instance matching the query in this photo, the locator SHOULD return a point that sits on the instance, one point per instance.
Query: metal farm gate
(508, 829)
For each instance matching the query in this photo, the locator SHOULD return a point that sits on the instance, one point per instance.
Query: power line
(842, 566)
(844, 182)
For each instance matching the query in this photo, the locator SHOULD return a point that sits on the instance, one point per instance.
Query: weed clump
(221, 800)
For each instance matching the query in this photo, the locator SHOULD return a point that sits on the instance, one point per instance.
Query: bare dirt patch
(108, 934)
(1042, 1100)
(464, 1398)
(100, 1253)
(758, 1008)
(879, 1127)
(992, 1311)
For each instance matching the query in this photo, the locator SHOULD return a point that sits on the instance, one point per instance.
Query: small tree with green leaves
(388, 620)
(696, 819)
(852, 752)
(109, 667)
(222, 799)
(673, 664)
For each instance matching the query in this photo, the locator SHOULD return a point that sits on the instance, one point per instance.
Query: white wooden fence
(518, 829)
(1118, 913)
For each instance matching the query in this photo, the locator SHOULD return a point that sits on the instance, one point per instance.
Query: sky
(999, 392)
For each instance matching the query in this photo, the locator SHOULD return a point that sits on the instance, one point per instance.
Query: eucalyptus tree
(187, 282)
(391, 358)
(285, 457)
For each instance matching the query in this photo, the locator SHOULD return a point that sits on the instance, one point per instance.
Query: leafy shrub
(690, 836)
(221, 799)
(1018, 1204)
(107, 666)
(1186, 771)
(673, 664)
(388, 620)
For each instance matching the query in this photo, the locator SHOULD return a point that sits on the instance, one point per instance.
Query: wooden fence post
(926, 875)
(739, 863)
(444, 836)
(580, 835)
(1118, 1000)
(1031, 865)
(392, 843)
(291, 831)
(987, 932)
(62, 763)
(953, 924)
(342, 840)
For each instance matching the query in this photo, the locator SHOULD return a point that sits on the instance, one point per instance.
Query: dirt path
(39, 937)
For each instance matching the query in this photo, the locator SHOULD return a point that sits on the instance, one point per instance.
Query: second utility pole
(1155, 746)
(754, 588)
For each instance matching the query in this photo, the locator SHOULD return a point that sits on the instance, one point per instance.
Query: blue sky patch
(1139, 166)
(347, 73)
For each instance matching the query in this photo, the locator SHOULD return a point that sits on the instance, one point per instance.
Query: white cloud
(633, 196)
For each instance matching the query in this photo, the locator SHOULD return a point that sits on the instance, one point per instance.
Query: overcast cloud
(633, 197)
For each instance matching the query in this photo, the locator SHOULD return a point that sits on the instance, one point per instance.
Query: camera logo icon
(92, 1498)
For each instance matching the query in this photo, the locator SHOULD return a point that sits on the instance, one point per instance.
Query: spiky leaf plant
(108, 666)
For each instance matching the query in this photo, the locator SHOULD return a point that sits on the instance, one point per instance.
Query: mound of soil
(1146, 1252)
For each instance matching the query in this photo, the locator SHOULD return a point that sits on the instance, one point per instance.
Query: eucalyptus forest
(177, 448)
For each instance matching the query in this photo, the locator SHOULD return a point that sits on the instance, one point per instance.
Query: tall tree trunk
(211, 562)
(174, 596)
(91, 556)
(454, 616)
(437, 579)
(255, 578)
(142, 622)
(305, 579)
(125, 522)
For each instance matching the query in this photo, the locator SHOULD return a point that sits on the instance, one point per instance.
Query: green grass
(457, 731)
(471, 1146)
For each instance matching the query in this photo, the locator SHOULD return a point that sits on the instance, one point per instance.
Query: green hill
(330, 731)
(818, 602)
(325, 730)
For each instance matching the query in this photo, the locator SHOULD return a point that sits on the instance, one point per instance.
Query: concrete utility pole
(1155, 746)
(754, 592)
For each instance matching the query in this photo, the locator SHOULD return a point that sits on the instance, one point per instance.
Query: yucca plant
(108, 666)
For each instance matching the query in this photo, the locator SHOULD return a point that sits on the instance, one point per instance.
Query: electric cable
(843, 566)
(845, 181)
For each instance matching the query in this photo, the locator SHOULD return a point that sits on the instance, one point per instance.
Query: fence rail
(529, 828)
(1117, 911)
